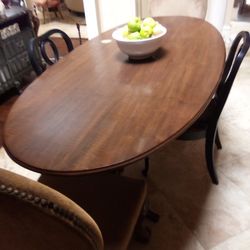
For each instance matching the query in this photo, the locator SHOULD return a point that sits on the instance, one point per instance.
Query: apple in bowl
(139, 39)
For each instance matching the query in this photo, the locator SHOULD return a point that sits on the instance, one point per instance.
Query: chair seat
(115, 202)
(198, 129)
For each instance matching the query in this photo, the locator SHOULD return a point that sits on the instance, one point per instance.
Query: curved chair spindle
(38, 54)
(206, 125)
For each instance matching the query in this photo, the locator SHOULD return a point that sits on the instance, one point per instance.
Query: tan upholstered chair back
(36, 217)
(194, 8)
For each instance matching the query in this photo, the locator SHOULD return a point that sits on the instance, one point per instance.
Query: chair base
(115, 202)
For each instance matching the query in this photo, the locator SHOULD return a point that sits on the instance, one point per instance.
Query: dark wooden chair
(89, 212)
(44, 52)
(206, 125)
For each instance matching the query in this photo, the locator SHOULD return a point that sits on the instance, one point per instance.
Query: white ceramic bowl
(138, 49)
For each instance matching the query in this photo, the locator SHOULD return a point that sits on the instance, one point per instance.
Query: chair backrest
(16, 2)
(235, 57)
(34, 216)
(47, 3)
(194, 8)
(39, 55)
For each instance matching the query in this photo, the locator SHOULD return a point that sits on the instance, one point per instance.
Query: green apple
(157, 29)
(149, 21)
(134, 36)
(134, 24)
(146, 32)
(125, 31)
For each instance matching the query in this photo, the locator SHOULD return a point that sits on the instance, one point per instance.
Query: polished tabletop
(97, 110)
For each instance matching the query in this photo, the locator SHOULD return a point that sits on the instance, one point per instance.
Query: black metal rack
(15, 33)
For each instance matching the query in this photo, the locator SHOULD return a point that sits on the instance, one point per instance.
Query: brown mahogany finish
(96, 110)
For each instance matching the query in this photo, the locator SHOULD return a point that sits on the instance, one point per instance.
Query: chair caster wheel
(144, 173)
(152, 216)
(143, 234)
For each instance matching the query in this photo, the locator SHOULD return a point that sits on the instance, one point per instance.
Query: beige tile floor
(195, 214)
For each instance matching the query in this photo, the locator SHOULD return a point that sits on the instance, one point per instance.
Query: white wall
(142, 8)
(92, 18)
(115, 12)
(216, 13)
(229, 12)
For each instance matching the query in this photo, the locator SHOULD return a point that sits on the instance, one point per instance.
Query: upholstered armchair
(98, 209)
(194, 8)
(49, 5)
(75, 5)
(36, 217)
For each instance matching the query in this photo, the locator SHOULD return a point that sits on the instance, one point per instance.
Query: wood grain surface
(96, 110)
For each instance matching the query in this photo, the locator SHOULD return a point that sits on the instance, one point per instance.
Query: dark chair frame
(206, 125)
(37, 50)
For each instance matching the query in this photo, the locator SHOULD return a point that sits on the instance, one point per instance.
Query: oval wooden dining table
(97, 110)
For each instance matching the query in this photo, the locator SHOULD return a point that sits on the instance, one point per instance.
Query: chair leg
(43, 15)
(79, 33)
(60, 13)
(148, 213)
(142, 232)
(146, 166)
(209, 148)
(55, 12)
(152, 216)
(217, 140)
